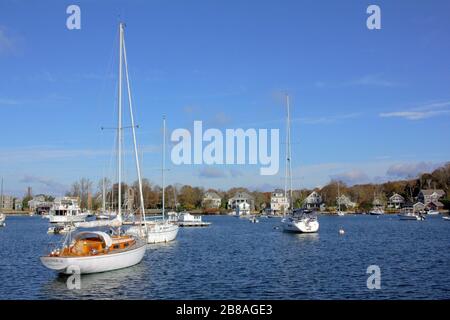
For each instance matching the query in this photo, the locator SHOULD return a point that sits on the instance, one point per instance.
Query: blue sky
(367, 105)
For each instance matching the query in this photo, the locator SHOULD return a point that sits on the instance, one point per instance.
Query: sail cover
(97, 234)
(117, 222)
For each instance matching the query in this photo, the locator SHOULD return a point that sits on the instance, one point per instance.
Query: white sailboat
(105, 214)
(161, 230)
(2, 215)
(339, 212)
(298, 221)
(98, 251)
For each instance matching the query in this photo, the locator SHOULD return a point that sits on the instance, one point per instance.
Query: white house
(239, 198)
(313, 201)
(211, 200)
(242, 208)
(396, 201)
(278, 202)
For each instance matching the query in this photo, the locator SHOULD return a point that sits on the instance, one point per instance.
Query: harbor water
(236, 259)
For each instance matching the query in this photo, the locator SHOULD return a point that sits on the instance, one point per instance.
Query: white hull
(433, 213)
(94, 264)
(341, 213)
(411, 217)
(67, 219)
(157, 232)
(303, 225)
(376, 213)
(2, 220)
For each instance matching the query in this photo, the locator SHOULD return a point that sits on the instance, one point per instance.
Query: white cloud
(210, 172)
(352, 177)
(7, 42)
(423, 112)
(372, 80)
(411, 170)
(41, 180)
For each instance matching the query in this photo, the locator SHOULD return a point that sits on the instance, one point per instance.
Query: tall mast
(133, 129)
(104, 197)
(290, 154)
(288, 168)
(119, 126)
(339, 198)
(163, 165)
(1, 198)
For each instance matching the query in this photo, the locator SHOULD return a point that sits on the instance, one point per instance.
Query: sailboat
(2, 215)
(105, 214)
(99, 251)
(158, 231)
(339, 212)
(298, 220)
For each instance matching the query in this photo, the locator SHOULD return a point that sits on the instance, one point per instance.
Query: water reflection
(105, 285)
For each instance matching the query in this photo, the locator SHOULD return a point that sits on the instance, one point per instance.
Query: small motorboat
(2, 220)
(254, 220)
(61, 229)
(446, 218)
(433, 213)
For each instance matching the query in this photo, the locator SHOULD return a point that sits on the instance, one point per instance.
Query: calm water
(235, 259)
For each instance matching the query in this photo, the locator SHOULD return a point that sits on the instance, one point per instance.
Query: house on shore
(7, 202)
(396, 201)
(211, 200)
(278, 202)
(241, 197)
(343, 200)
(313, 201)
(430, 198)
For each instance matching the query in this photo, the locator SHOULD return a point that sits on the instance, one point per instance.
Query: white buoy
(341, 231)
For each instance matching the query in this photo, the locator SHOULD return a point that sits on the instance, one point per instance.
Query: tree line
(187, 197)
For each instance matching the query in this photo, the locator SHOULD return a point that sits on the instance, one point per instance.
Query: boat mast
(163, 166)
(104, 196)
(133, 129)
(119, 126)
(1, 198)
(288, 168)
(339, 198)
(291, 203)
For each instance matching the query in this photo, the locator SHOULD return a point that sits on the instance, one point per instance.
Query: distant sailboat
(339, 211)
(2, 215)
(298, 221)
(105, 214)
(164, 230)
(98, 251)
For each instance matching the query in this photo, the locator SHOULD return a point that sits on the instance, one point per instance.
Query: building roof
(242, 194)
(211, 194)
(397, 195)
(437, 203)
(429, 192)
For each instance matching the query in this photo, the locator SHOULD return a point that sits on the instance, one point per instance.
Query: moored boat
(377, 211)
(185, 219)
(300, 220)
(96, 251)
(66, 210)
